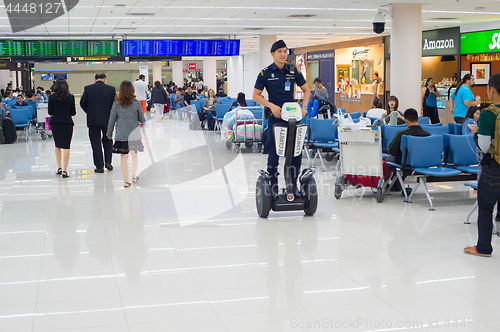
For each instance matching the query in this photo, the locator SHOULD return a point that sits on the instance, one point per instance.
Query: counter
(352, 107)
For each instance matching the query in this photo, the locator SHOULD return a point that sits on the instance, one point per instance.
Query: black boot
(274, 186)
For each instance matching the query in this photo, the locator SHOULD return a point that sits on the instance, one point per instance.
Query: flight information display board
(197, 47)
(11, 48)
(137, 47)
(225, 47)
(102, 48)
(71, 48)
(40, 48)
(167, 47)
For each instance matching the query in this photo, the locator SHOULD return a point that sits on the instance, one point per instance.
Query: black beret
(279, 44)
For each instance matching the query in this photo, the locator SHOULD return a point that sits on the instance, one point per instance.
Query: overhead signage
(434, 43)
(364, 52)
(90, 58)
(319, 55)
(192, 66)
(480, 42)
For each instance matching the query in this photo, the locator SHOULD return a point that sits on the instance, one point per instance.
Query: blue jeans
(210, 115)
(273, 159)
(488, 192)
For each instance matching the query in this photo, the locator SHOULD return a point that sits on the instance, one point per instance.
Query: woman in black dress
(62, 108)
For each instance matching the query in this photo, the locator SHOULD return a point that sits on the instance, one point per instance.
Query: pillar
(406, 55)
(235, 76)
(4, 78)
(157, 72)
(265, 57)
(209, 72)
(177, 73)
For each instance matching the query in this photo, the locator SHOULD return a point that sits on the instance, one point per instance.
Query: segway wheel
(228, 145)
(380, 195)
(338, 191)
(311, 192)
(249, 145)
(263, 197)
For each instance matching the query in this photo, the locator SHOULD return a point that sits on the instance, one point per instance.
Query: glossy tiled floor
(184, 250)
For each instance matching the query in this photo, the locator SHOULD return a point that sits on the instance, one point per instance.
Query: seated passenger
(240, 101)
(179, 98)
(20, 101)
(377, 111)
(393, 116)
(470, 120)
(411, 118)
(221, 93)
(30, 97)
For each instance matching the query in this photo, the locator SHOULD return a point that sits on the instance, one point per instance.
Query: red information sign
(191, 65)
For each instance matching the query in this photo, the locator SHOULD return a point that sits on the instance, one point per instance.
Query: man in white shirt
(141, 89)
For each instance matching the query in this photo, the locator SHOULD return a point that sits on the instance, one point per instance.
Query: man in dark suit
(96, 101)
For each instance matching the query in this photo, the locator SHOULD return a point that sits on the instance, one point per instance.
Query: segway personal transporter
(289, 140)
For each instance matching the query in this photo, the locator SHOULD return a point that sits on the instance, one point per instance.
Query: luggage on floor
(1, 130)
(369, 181)
(9, 131)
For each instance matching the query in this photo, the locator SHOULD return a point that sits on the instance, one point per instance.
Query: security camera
(379, 19)
(378, 23)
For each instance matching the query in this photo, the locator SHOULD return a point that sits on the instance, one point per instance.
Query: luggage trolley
(361, 156)
(247, 131)
(43, 119)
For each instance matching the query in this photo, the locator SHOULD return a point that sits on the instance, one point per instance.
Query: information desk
(352, 107)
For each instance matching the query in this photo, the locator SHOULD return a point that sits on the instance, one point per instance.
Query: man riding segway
(279, 79)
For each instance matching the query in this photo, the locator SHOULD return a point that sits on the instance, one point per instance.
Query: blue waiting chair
(321, 136)
(424, 157)
(220, 111)
(455, 128)
(436, 130)
(423, 120)
(461, 151)
(21, 118)
(388, 134)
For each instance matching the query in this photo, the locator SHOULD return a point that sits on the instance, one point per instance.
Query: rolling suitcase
(1, 130)
(9, 131)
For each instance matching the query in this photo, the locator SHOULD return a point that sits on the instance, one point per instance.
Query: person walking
(159, 98)
(126, 114)
(428, 101)
(96, 101)
(141, 89)
(464, 98)
(62, 108)
(488, 185)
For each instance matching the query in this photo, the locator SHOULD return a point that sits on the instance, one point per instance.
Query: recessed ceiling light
(301, 15)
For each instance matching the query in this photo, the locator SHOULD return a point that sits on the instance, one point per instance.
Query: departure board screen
(226, 47)
(137, 47)
(167, 47)
(72, 48)
(11, 48)
(40, 48)
(197, 47)
(102, 48)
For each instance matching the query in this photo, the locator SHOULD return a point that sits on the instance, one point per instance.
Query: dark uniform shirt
(275, 80)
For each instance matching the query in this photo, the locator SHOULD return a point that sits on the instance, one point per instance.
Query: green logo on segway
(291, 110)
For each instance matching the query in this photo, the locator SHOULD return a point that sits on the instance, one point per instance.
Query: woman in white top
(377, 110)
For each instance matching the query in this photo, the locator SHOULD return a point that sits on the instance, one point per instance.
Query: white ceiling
(333, 20)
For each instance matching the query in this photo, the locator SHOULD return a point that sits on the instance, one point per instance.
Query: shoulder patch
(262, 73)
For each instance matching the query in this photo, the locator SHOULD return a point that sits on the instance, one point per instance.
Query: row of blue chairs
(437, 158)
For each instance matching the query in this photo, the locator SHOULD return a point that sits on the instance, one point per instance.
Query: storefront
(346, 70)
(480, 56)
(440, 61)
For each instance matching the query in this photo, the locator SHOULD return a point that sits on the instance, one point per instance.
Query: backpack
(430, 98)
(9, 130)
(495, 150)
